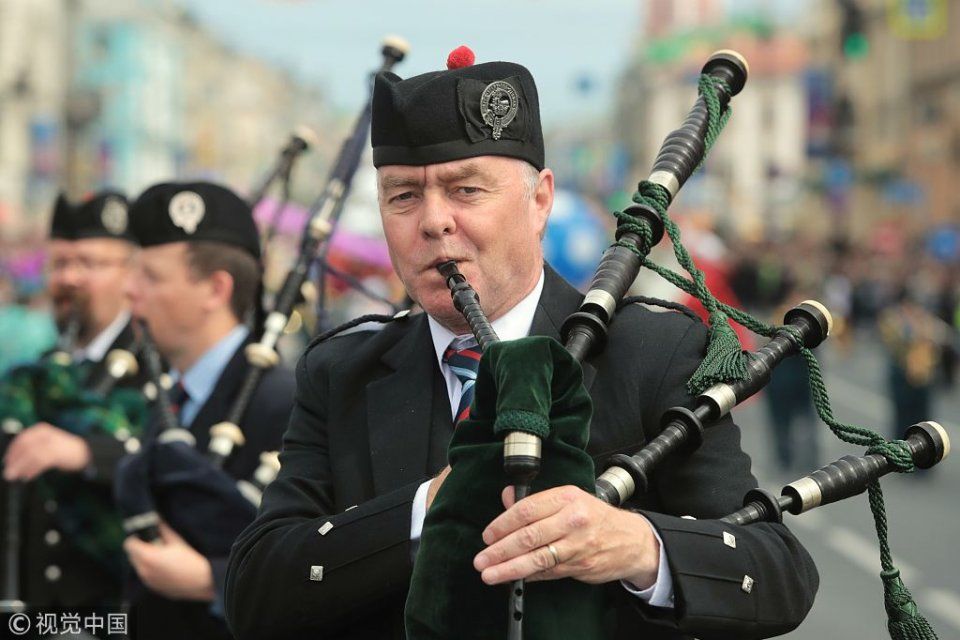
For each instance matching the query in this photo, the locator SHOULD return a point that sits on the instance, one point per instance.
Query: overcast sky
(336, 42)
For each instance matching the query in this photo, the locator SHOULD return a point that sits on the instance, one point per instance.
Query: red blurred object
(460, 57)
(716, 279)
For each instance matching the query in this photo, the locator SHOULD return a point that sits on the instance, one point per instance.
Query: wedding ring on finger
(553, 552)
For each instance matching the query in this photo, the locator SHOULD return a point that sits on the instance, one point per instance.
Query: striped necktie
(178, 398)
(464, 364)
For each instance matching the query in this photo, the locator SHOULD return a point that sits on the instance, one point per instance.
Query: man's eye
(468, 190)
(402, 197)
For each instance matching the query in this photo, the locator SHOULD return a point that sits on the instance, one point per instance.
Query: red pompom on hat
(460, 57)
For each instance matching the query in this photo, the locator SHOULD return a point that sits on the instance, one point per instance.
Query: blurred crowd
(907, 301)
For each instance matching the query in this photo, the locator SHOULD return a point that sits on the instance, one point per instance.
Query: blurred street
(921, 510)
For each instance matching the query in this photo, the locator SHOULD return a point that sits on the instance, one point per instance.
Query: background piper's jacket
(52, 572)
(371, 422)
(154, 616)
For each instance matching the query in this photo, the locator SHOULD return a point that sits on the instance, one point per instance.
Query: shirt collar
(512, 325)
(200, 379)
(96, 350)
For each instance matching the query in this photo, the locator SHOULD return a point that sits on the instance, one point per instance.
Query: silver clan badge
(186, 210)
(498, 106)
(114, 216)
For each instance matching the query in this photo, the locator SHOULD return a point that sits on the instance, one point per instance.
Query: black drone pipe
(151, 358)
(262, 355)
(301, 140)
(278, 211)
(809, 324)
(584, 332)
(849, 476)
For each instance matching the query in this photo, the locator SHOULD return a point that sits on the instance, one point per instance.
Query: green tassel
(904, 621)
(724, 361)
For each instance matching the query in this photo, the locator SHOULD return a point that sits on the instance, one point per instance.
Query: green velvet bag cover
(51, 392)
(533, 385)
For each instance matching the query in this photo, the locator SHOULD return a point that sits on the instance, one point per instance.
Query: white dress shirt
(96, 350)
(512, 325)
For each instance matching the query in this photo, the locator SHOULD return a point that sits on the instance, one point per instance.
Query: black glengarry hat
(61, 223)
(193, 212)
(463, 112)
(102, 215)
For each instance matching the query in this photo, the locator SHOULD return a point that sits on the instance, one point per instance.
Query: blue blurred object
(26, 334)
(904, 192)
(575, 238)
(837, 175)
(943, 243)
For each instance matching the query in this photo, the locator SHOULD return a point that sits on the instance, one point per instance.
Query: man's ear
(221, 289)
(543, 200)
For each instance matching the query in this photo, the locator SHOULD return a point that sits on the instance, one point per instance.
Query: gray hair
(531, 178)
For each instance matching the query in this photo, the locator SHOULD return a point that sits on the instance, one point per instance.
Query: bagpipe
(530, 406)
(169, 478)
(60, 392)
(320, 224)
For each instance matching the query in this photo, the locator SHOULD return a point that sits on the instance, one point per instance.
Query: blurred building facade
(905, 99)
(96, 93)
(849, 126)
(33, 81)
(753, 176)
(934, 94)
(893, 79)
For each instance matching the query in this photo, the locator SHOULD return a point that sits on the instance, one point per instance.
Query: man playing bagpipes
(70, 419)
(196, 281)
(461, 178)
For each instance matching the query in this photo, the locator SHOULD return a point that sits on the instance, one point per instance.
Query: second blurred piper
(196, 280)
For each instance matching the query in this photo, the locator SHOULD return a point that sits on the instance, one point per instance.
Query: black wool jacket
(371, 422)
